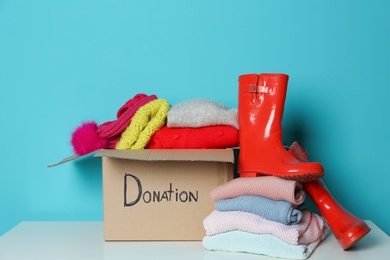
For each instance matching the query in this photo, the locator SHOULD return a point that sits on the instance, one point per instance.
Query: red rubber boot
(347, 228)
(260, 110)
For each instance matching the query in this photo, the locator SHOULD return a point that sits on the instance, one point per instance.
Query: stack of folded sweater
(197, 124)
(261, 215)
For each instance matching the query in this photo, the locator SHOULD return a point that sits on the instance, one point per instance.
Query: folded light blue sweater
(275, 210)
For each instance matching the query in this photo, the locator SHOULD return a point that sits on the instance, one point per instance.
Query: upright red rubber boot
(261, 100)
(347, 228)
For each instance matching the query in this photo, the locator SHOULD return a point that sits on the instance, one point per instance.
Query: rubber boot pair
(261, 101)
(260, 111)
(347, 228)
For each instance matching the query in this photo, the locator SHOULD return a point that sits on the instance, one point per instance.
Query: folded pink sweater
(266, 186)
(306, 231)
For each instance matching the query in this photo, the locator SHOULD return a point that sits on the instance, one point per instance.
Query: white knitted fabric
(201, 112)
(306, 231)
(244, 242)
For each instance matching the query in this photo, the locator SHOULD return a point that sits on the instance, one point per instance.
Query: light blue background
(63, 62)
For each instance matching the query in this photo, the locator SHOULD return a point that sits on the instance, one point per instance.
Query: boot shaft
(261, 103)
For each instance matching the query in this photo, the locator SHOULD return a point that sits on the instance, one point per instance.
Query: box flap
(207, 155)
(72, 158)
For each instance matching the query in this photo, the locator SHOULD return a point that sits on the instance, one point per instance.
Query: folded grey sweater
(200, 112)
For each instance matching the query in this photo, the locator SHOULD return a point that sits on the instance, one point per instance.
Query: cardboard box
(155, 194)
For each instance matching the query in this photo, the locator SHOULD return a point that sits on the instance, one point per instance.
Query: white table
(84, 240)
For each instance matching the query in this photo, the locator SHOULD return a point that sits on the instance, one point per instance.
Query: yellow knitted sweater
(146, 121)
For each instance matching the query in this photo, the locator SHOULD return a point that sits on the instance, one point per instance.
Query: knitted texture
(209, 137)
(306, 231)
(276, 210)
(264, 244)
(201, 112)
(124, 116)
(266, 186)
(145, 122)
(112, 141)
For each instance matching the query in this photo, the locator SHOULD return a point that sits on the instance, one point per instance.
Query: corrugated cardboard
(155, 194)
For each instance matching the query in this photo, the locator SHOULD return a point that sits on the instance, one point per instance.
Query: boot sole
(302, 178)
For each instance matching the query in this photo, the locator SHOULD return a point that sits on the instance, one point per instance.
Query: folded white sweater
(244, 242)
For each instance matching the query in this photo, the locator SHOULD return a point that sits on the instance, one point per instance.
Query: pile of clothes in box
(148, 122)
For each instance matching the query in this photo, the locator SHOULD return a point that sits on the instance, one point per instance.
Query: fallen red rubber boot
(261, 100)
(347, 228)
